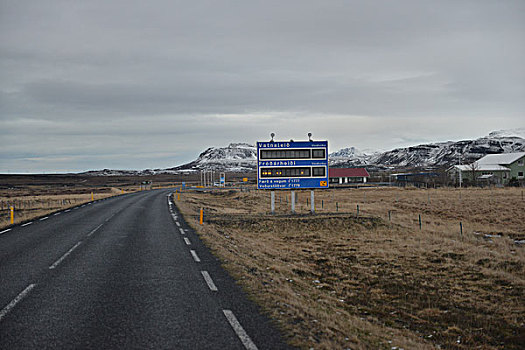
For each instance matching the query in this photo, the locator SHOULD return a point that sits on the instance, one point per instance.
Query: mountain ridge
(242, 157)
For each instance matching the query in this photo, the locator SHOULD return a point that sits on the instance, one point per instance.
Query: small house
(348, 175)
(497, 169)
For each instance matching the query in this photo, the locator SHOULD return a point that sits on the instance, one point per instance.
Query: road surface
(121, 273)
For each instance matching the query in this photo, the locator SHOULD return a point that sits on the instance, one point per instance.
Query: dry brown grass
(332, 280)
(29, 206)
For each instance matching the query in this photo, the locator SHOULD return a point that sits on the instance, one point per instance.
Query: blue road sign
(292, 165)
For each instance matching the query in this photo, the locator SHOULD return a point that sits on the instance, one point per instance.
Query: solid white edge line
(241, 333)
(26, 224)
(181, 231)
(187, 241)
(209, 281)
(44, 218)
(195, 256)
(56, 263)
(4, 231)
(16, 300)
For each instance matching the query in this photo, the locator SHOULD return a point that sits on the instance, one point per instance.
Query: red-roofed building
(347, 175)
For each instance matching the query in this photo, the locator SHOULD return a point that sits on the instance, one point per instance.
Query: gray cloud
(97, 84)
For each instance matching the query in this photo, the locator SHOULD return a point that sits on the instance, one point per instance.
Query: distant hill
(237, 157)
(242, 157)
(442, 154)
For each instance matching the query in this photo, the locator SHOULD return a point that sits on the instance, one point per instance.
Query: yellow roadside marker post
(12, 215)
(92, 196)
(202, 216)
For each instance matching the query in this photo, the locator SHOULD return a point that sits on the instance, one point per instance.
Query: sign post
(292, 165)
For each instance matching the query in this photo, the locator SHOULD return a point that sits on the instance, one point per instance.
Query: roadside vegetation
(374, 279)
(28, 207)
(34, 196)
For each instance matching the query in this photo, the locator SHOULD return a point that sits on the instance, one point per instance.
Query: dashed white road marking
(209, 281)
(55, 214)
(26, 224)
(110, 217)
(241, 333)
(187, 241)
(44, 218)
(56, 263)
(178, 223)
(67, 210)
(16, 300)
(75, 208)
(195, 256)
(4, 231)
(94, 230)
(181, 231)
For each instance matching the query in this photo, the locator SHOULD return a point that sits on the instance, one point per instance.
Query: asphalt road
(121, 273)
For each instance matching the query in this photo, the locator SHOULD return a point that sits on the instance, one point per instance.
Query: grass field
(38, 195)
(28, 207)
(338, 280)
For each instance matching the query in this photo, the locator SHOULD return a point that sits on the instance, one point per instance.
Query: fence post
(336, 206)
(312, 207)
(357, 212)
(461, 228)
(389, 216)
(420, 222)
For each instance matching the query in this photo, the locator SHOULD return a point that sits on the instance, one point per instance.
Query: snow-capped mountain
(237, 157)
(449, 153)
(351, 156)
(519, 132)
(241, 157)
(441, 154)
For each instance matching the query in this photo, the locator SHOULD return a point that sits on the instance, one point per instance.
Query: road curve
(121, 273)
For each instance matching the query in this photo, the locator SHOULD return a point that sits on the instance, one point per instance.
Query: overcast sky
(150, 84)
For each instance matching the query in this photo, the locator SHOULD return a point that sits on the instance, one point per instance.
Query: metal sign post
(292, 165)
